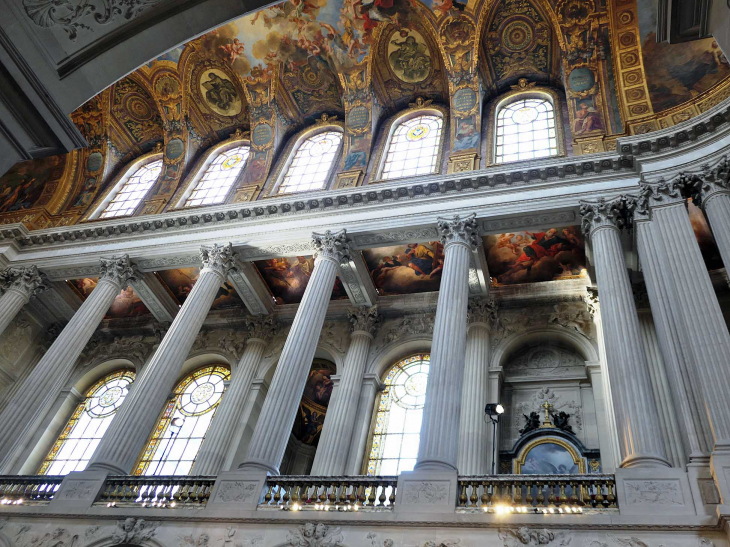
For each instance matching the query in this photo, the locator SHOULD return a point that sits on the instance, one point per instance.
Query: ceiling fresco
(179, 284)
(406, 269)
(126, 304)
(528, 257)
(287, 278)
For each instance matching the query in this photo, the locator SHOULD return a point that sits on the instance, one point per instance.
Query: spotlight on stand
(494, 411)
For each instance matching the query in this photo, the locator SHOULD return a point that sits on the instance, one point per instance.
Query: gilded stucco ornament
(333, 246)
(458, 229)
(116, 269)
(27, 280)
(218, 258)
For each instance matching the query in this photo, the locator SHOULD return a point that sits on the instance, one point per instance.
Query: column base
(255, 466)
(720, 468)
(644, 461)
(79, 490)
(237, 491)
(704, 489)
(654, 491)
(424, 491)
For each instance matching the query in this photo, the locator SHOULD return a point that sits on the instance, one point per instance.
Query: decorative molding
(531, 536)
(352, 284)
(396, 236)
(312, 534)
(654, 492)
(482, 309)
(78, 489)
(261, 327)
(170, 262)
(416, 324)
(237, 491)
(364, 319)
(133, 530)
(570, 316)
(287, 249)
(426, 492)
(529, 221)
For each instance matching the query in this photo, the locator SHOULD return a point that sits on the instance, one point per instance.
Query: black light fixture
(494, 411)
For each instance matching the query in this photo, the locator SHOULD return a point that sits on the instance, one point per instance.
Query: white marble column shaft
(637, 419)
(711, 191)
(369, 389)
(337, 432)
(679, 363)
(220, 437)
(18, 286)
(474, 429)
(135, 419)
(439, 446)
(44, 382)
(278, 413)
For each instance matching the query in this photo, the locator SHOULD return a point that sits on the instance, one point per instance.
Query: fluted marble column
(339, 423)
(18, 286)
(273, 428)
(695, 301)
(44, 382)
(135, 419)
(637, 418)
(220, 436)
(439, 448)
(474, 431)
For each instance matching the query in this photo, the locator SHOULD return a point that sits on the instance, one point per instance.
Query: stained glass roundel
(202, 393)
(108, 397)
(418, 132)
(525, 114)
(232, 161)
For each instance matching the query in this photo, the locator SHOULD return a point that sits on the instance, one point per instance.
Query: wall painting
(287, 278)
(180, 282)
(406, 269)
(313, 407)
(408, 56)
(708, 247)
(22, 186)
(126, 304)
(220, 93)
(527, 257)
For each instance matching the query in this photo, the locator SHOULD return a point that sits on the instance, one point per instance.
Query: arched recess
(569, 337)
(392, 352)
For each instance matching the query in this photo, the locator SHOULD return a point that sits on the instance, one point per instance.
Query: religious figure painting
(287, 278)
(708, 247)
(526, 257)
(220, 93)
(21, 187)
(587, 117)
(409, 56)
(406, 269)
(126, 303)
(313, 406)
(549, 459)
(180, 282)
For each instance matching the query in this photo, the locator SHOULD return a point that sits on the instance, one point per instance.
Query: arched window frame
(290, 152)
(518, 95)
(118, 183)
(72, 422)
(380, 403)
(409, 114)
(202, 166)
(159, 438)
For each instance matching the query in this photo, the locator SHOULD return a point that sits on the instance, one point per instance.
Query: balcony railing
(20, 489)
(157, 491)
(537, 493)
(296, 493)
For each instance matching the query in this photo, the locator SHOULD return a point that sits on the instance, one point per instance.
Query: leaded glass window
(397, 430)
(414, 147)
(312, 163)
(76, 444)
(216, 182)
(133, 190)
(525, 131)
(175, 441)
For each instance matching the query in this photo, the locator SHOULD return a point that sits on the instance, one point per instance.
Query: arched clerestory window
(526, 129)
(133, 190)
(397, 431)
(311, 163)
(79, 438)
(414, 146)
(215, 183)
(175, 442)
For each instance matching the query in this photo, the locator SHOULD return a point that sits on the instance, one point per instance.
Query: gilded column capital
(218, 259)
(364, 319)
(116, 269)
(712, 182)
(459, 230)
(332, 246)
(482, 309)
(603, 213)
(26, 280)
(261, 327)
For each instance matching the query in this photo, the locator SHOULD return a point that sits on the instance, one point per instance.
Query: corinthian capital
(116, 269)
(605, 213)
(660, 193)
(261, 327)
(482, 309)
(332, 246)
(459, 230)
(712, 182)
(218, 258)
(27, 280)
(364, 319)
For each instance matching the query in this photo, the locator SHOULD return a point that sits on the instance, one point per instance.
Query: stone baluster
(637, 418)
(339, 424)
(220, 438)
(474, 434)
(696, 305)
(135, 419)
(273, 428)
(45, 381)
(18, 286)
(438, 448)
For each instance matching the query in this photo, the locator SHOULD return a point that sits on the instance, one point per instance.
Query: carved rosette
(364, 319)
(604, 213)
(482, 309)
(261, 327)
(218, 259)
(116, 269)
(710, 183)
(459, 230)
(332, 246)
(27, 280)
